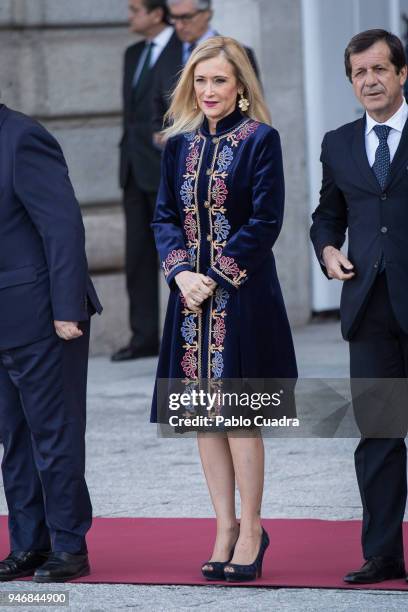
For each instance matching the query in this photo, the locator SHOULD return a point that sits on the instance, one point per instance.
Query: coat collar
(3, 113)
(225, 125)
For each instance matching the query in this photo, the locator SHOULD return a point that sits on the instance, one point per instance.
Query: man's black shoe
(20, 564)
(377, 569)
(129, 352)
(62, 566)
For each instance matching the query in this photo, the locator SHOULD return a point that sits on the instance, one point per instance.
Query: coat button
(209, 172)
(216, 140)
(207, 204)
(209, 238)
(384, 229)
(376, 264)
(384, 196)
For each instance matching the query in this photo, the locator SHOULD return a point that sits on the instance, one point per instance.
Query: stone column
(273, 28)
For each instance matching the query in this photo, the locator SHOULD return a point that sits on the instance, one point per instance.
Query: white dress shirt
(159, 42)
(396, 123)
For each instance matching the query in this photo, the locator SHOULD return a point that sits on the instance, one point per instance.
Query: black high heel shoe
(217, 568)
(245, 573)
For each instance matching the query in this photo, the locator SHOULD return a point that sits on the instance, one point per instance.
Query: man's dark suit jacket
(377, 220)
(43, 268)
(166, 76)
(138, 153)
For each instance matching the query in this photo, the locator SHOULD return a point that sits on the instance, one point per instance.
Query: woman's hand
(211, 283)
(195, 287)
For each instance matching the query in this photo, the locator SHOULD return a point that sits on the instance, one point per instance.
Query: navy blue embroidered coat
(219, 212)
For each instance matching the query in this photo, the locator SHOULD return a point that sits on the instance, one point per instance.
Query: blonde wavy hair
(184, 115)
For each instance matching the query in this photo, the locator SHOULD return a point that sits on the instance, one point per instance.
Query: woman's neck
(212, 126)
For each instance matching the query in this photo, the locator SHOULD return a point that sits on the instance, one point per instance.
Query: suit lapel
(360, 155)
(131, 69)
(400, 157)
(170, 58)
(140, 90)
(172, 54)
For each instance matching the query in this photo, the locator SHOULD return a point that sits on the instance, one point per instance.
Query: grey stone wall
(63, 64)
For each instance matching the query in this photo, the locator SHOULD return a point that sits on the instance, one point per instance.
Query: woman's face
(216, 88)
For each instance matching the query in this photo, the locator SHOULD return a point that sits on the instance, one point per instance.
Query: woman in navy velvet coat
(219, 212)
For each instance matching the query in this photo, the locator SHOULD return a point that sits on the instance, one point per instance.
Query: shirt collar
(396, 122)
(208, 34)
(163, 38)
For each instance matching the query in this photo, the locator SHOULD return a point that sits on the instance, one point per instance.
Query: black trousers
(42, 425)
(379, 350)
(142, 277)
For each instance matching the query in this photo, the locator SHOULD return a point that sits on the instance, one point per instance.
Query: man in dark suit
(191, 19)
(140, 175)
(46, 299)
(365, 191)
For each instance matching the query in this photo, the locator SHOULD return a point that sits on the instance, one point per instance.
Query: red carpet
(303, 552)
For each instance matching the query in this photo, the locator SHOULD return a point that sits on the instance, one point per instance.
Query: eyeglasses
(184, 18)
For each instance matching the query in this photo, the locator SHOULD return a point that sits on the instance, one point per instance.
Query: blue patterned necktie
(381, 166)
(188, 51)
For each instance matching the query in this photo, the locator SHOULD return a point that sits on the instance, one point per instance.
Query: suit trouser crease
(141, 265)
(43, 420)
(379, 350)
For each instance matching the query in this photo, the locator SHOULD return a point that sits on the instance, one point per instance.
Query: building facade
(62, 63)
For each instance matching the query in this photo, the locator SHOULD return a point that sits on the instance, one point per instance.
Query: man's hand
(195, 288)
(334, 260)
(68, 330)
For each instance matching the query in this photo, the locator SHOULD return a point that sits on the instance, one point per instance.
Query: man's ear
(403, 74)
(160, 14)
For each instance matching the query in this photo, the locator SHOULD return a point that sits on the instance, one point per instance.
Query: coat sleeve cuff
(321, 260)
(178, 268)
(176, 261)
(70, 315)
(225, 281)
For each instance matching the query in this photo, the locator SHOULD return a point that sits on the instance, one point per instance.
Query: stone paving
(132, 472)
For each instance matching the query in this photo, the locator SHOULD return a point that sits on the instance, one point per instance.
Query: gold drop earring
(243, 103)
(195, 106)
